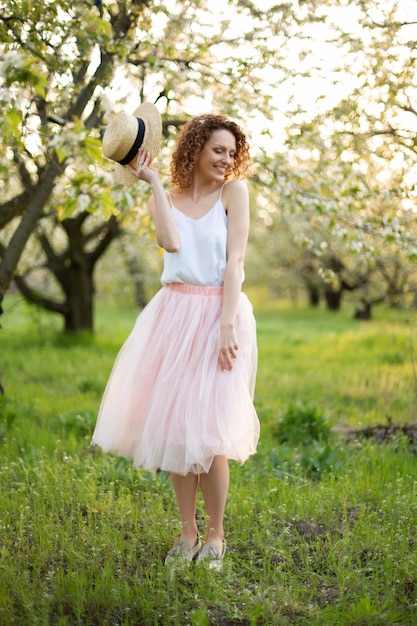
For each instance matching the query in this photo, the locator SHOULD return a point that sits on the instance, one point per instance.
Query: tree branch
(31, 215)
(112, 230)
(52, 257)
(36, 298)
(13, 208)
(121, 25)
(18, 39)
(24, 174)
(86, 92)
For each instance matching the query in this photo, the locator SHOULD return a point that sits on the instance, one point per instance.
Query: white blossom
(83, 201)
(5, 96)
(356, 246)
(108, 107)
(12, 59)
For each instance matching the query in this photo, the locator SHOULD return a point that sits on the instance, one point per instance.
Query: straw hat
(126, 133)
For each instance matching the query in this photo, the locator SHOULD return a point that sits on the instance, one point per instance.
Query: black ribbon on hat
(137, 143)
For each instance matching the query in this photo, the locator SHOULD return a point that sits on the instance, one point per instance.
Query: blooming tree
(58, 61)
(344, 189)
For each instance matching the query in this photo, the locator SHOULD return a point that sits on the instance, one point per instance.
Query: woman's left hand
(228, 347)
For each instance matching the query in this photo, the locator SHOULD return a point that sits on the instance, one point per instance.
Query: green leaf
(62, 155)
(107, 206)
(68, 208)
(13, 119)
(92, 148)
(40, 87)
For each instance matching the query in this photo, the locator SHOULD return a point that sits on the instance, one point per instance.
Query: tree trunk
(136, 270)
(310, 279)
(78, 314)
(77, 282)
(313, 295)
(363, 311)
(364, 307)
(75, 272)
(333, 299)
(73, 268)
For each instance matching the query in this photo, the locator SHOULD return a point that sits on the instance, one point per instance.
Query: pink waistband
(201, 290)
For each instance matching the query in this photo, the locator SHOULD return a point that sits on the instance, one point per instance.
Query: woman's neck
(196, 192)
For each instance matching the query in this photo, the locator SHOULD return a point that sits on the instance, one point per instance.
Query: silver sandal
(181, 553)
(213, 555)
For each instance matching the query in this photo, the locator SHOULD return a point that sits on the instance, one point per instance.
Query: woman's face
(218, 155)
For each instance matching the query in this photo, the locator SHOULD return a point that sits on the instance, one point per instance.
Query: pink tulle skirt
(167, 403)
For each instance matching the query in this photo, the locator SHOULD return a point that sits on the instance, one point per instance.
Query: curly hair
(191, 141)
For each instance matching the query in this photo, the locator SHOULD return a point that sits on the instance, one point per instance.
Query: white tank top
(201, 259)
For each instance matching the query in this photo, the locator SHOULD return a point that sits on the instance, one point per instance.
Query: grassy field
(319, 531)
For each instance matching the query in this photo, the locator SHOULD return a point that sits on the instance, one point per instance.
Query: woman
(180, 394)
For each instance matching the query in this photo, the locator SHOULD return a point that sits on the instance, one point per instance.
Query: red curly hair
(191, 141)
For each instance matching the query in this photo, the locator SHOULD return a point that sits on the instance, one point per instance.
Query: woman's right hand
(140, 166)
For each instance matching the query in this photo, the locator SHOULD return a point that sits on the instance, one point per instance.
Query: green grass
(319, 532)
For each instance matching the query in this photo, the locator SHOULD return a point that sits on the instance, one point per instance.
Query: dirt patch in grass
(381, 433)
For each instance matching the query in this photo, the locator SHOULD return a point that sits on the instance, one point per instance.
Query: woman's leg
(215, 487)
(185, 488)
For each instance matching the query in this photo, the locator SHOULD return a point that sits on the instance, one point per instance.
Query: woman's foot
(182, 552)
(213, 554)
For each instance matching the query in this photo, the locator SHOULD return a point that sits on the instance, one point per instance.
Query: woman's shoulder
(234, 190)
(175, 194)
(235, 184)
